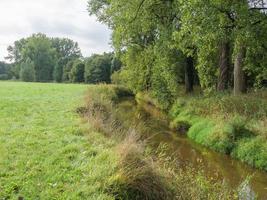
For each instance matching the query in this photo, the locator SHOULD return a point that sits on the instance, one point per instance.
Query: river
(187, 152)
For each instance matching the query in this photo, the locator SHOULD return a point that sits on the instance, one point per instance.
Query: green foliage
(3, 68)
(142, 36)
(107, 94)
(3, 77)
(49, 55)
(137, 63)
(165, 76)
(67, 50)
(225, 123)
(58, 73)
(252, 151)
(27, 72)
(39, 49)
(5, 71)
(115, 64)
(15, 51)
(77, 72)
(98, 68)
(66, 71)
(154, 38)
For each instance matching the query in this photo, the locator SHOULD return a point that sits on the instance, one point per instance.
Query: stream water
(187, 152)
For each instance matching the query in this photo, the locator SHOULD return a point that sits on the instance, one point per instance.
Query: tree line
(39, 58)
(217, 44)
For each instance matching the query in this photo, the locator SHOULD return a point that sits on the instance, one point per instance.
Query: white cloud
(56, 18)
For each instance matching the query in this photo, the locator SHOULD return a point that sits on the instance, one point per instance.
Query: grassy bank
(234, 125)
(139, 173)
(49, 152)
(46, 153)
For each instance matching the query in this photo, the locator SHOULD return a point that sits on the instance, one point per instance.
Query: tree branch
(138, 10)
(258, 8)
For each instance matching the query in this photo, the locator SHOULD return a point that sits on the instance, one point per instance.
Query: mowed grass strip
(45, 152)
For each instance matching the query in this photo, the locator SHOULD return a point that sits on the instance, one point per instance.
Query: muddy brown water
(187, 152)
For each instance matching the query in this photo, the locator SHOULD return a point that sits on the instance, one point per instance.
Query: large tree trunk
(189, 75)
(239, 75)
(224, 66)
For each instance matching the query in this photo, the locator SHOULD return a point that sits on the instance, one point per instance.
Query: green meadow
(45, 150)
(49, 151)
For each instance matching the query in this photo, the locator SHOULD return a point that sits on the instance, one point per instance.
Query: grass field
(44, 151)
(48, 151)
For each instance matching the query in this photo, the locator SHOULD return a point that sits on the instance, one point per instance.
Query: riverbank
(233, 125)
(140, 173)
(55, 145)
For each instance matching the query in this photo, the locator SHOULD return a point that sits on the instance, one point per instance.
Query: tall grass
(140, 174)
(234, 125)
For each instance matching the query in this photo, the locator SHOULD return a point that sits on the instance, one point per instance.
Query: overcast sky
(55, 18)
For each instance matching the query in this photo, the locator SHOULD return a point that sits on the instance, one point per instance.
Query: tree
(50, 55)
(15, 56)
(217, 29)
(27, 72)
(224, 66)
(5, 71)
(3, 68)
(213, 37)
(77, 72)
(39, 49)
(15, 51)
(142, 30)
(67, 50)
(58, 73)
(98, 69)
(116, 64)
(66, 71)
